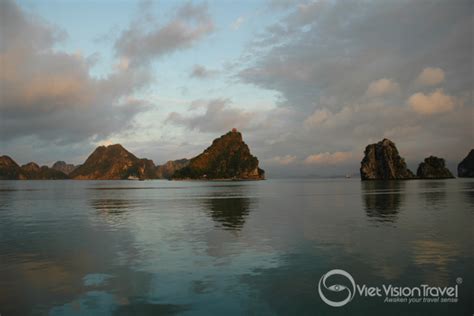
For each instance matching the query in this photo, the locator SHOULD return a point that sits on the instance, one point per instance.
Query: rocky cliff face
(167, 170)
(466, 166)
(31, 171)
(382, 162)
(433, 168)
(63, 167)
(31, 167)
(143, 169)
(114, 163)
(9, 169)
(227, 158)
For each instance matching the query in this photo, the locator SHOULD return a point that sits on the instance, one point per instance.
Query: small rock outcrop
(466, 166)
(167, 170)
(228, 157)
(114, 163)
(433, 168)
(383, 162)
(63, 167)
(9, 169)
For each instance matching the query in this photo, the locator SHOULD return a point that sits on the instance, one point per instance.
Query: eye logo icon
(323, 286)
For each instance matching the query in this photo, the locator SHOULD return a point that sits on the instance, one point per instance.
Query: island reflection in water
(230, 213)
(434, 193)
(160, 247)
(383, 199)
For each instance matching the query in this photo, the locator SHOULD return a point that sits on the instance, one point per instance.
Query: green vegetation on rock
(383, 162)
(433, 168)
(114, 163)
(228, 157)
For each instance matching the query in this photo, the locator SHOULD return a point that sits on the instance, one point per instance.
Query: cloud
(320, 58)
(282, 160)
(238, 23)
(318, 117)
(333, 48)
(201, 72)
(280, 4)
(328, 158)
(140, 44)
(50, 94)
(382, 87)
(355, 125)
(430, 76)
(433, 103)
(218, 116)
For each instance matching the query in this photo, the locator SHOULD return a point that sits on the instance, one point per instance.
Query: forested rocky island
(382, 161)
(228, 158)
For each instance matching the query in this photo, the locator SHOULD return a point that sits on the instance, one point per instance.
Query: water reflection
(184, 251)
(435, 258)
(468, 190)
(116, 212)
(112, 206)
(101, 302)
(5, 198)
(33, 281)
(383, 199)
(434, 192)
(231, 213)
(144, 308)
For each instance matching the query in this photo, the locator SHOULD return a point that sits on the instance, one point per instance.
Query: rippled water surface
(162, 247)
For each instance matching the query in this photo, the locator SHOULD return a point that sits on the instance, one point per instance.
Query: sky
(308, 83)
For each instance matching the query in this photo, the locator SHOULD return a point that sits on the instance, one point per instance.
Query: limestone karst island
(228, 158)
(219, 157)
(383, 162)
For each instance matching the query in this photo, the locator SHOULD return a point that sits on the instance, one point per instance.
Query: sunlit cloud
(328, 158)
(430, 76)
(282, 160)
(433, 103)
(382, 87)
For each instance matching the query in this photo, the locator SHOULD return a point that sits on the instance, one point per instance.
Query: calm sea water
(163, 247)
